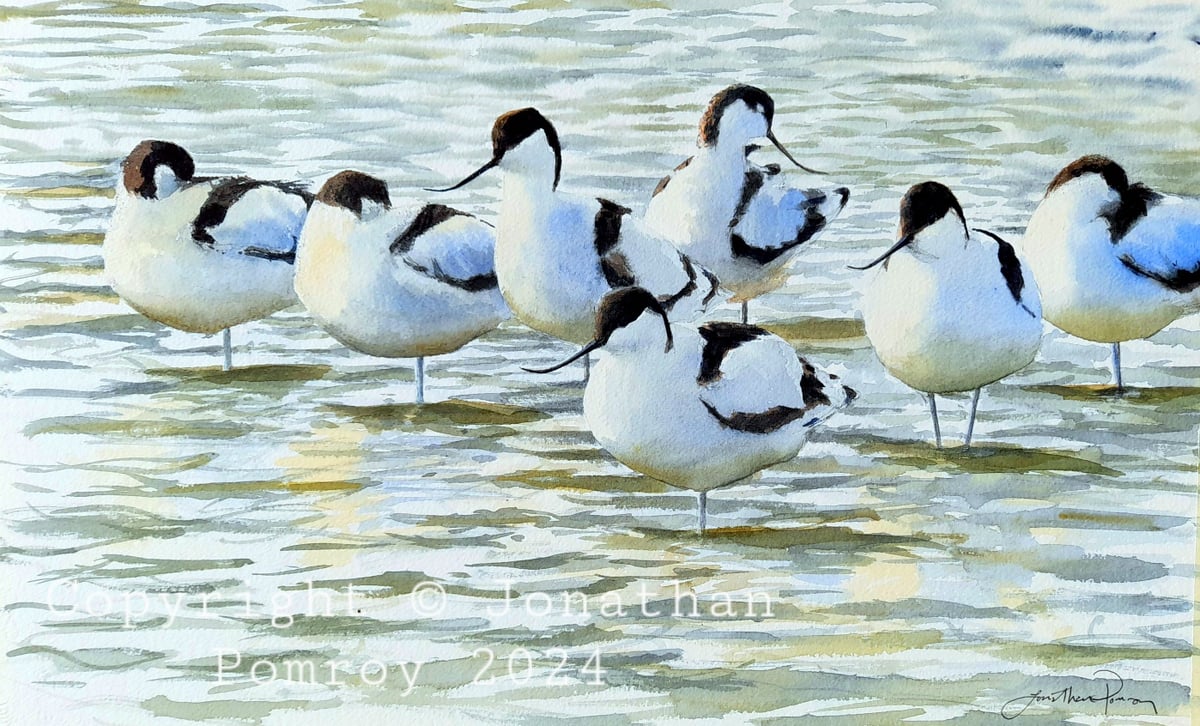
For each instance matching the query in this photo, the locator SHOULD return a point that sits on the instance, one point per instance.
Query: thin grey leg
(937, 429)
(971, 419)
(420, 380)
(703, 512)
(1116, 367)
(745, 311)
(227, 342)
(587, 368)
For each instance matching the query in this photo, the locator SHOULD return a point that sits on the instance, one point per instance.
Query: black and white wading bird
(1116, 261)
(739, 219)
(952, 308)
(201, 254)
(396, 283)
(698, 407)
(557, 254)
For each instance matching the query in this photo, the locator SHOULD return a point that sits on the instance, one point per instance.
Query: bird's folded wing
(450, 246)
(761, 375)
(653, 263)
(776, 219)
(1165, 245)
(252, 218)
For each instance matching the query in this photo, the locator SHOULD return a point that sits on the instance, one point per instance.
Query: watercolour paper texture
(298, 540)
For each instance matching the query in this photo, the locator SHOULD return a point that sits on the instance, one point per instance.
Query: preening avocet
(952, 309)
(393, 283)
(698, 408)
(1115, 261)
(737, 218)
(201, 254)
(557, 255)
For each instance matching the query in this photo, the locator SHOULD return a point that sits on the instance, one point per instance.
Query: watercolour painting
(299, 539)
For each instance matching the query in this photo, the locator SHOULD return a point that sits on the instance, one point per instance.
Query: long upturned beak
(904, 242)
(581, 353)
(785, 152)
(474, 175)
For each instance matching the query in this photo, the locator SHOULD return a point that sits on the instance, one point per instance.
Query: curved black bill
(581, 353)
(474, 175)
(785, 152)
(904, 242)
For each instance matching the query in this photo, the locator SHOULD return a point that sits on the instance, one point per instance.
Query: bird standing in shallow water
(731, 215)
(1115, 261)
(395, 283)
(952, 309)
(201, 254)
(698, 407)
(557, 255)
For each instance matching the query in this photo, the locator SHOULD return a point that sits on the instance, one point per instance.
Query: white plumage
(1116, 261)
(201, 255)
(698, 407)
(396, 283)
(739, 219)
(557, 255)
(951, 309)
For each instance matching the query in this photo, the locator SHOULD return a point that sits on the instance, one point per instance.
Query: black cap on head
(710, 122)
(924, 204)
(509, 130)
(1112, 172)
(617, 309)
(138, 168)
(623, 306)
(348, 189)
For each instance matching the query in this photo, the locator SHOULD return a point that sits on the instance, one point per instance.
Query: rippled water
(904, 583)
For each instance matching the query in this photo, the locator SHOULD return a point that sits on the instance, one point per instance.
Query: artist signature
(1112, 694)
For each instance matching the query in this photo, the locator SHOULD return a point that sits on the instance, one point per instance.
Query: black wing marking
(668, 301)
(714, 286)
(430, 216)
(765, 422)
(224, 194)
(662, 183)
(1134, 203)
(814, 221)
(751, 184)
(1010, 267)
(608, 225)
(475, 283)
(777, 417)
(613, 264)
(720, 338)
(1179, 280)
(811, 387)
(616, 270)
(266, 254)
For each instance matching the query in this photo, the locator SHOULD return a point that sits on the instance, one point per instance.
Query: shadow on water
(1148, 396)
(270, 373)
(119, 328)
(570, 479)
(447, 416)
(140, 427)
(807, 539)
(986, 458)
(815, 328)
